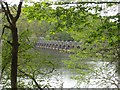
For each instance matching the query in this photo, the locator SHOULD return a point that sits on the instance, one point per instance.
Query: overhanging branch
(31, 77)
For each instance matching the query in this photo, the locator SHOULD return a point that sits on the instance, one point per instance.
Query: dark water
(55, 56)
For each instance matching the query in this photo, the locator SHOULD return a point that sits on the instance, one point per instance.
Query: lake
(104, 76)
(104, 73)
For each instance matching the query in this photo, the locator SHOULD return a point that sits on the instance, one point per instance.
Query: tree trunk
(14, 57)
(12, 26)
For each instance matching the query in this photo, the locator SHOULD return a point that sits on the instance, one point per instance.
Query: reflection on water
(104, 74)
(61, 78)
(105, 78)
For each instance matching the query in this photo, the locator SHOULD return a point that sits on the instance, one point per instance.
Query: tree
(12, 20)
(98, 34)
(100, 42)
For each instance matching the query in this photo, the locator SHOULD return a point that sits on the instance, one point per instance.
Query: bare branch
(14, 7)
(9, 43)
(18, 11)
(9, 13)
(31, 77)
(6, 13)
(5, 26)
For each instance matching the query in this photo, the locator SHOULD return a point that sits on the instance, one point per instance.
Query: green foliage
(27, 62)
(99, 37)
(98, 34)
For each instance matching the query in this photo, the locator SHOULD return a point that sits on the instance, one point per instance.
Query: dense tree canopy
(91, 29)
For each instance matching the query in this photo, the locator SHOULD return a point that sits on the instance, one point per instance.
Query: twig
(5, 26)
(9, 13)
(6, 13)
(18, 11)
(30, 76)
